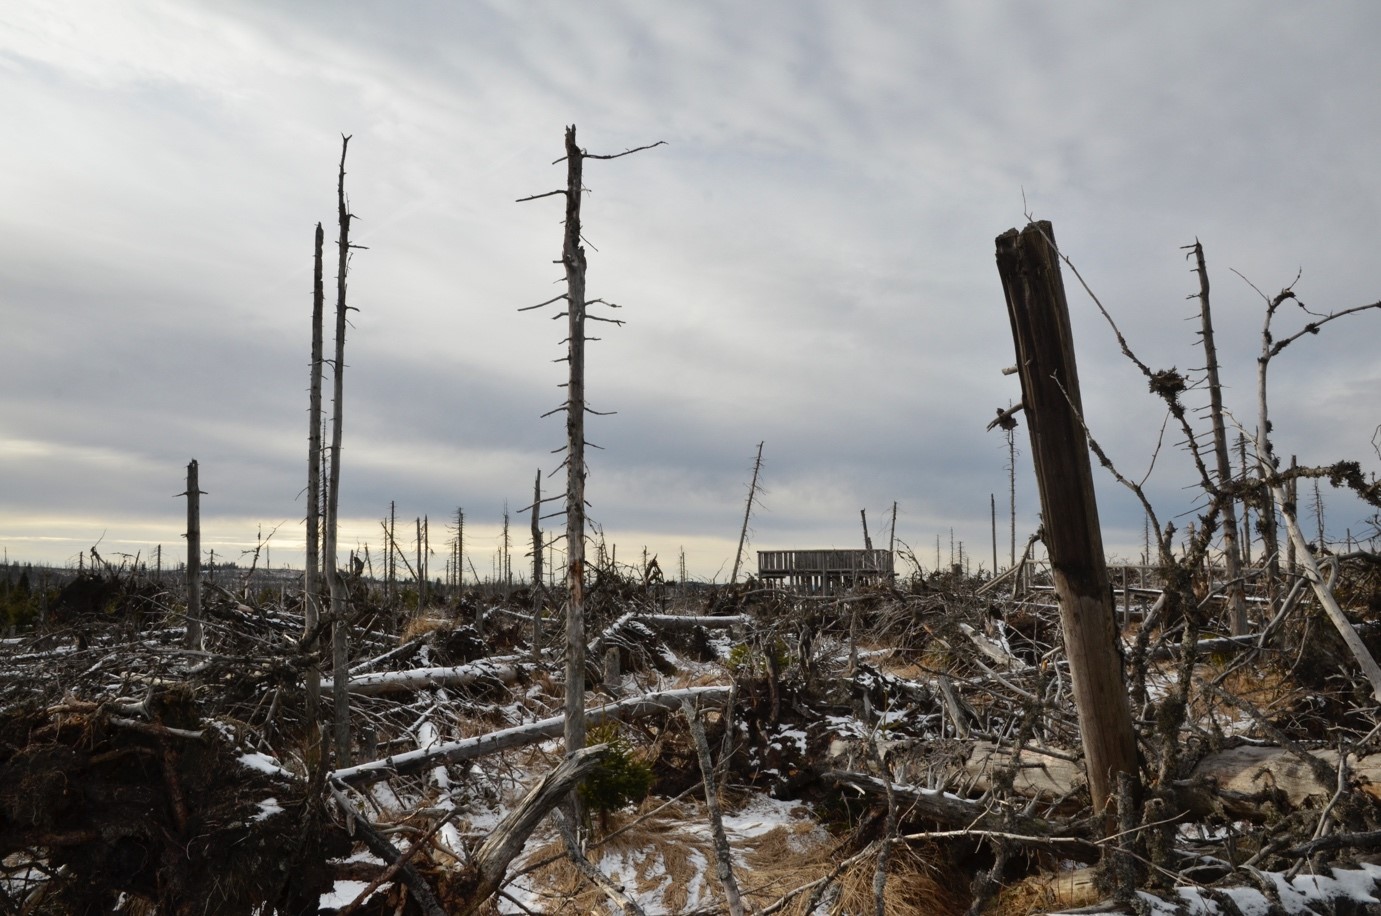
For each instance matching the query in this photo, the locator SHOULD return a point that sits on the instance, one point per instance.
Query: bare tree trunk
(1246, 505)
(1030, 271)
(340, 637)
(460, 550)
(574, 263)
(1292, 501)
(392, 550)
(747, 514)
(311, 584)
(1270, 540)
(193, 639)
(573, 259)
(992, 506)
(1232, 555)
(507, 562)
(421, 572)
(1012, 490)
(537, 567)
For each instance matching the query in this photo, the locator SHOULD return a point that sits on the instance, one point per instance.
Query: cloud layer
(807, 262)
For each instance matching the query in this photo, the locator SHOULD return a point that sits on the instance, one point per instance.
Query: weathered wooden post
(1028, 263)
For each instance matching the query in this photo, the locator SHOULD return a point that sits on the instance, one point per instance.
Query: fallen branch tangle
(979, 754)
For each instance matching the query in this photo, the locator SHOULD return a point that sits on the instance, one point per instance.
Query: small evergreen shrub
(623, 779)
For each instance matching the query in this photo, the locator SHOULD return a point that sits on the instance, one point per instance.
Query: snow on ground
(666, 860)
(343, 893)
(1302, 894)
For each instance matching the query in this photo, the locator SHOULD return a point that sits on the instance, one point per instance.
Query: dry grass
(916, 886)
(659, 853)
(1044, 893)
(665, 861)
(418, 626)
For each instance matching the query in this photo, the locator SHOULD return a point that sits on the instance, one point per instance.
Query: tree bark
(1029, 267)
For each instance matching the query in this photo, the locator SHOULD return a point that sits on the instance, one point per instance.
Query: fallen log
(485, 873)
(522, 735)
(1245, 782)
(1037, 774)
(505, 669)
(945, 808)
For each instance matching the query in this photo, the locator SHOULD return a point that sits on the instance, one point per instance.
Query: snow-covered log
(522, 735)
(506, 669)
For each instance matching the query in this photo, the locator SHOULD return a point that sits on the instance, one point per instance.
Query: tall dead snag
(311, 582)
(748, 513)
(1232, 554)
(573, 260)
(537, 567)
(1030, 271)
(340, 640)
(193, 639)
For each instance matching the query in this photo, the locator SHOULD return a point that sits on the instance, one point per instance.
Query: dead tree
(1029, 267)
(574, 262)
(748, 513)
(1285, 505)
(391, 551)
(340, 640)
(460, 550)
(537, 567)
(193, 639)
(1232, 554)
(311, 581)
(420, 573)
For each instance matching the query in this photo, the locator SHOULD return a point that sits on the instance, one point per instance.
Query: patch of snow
(263, 763)
(762, 815)
(386, 798)
(1249, 900)
(342, 894)
(1301, 894)
(268, 808)
(790, 734)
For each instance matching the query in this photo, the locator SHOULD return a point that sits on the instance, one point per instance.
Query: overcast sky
(807, 262)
